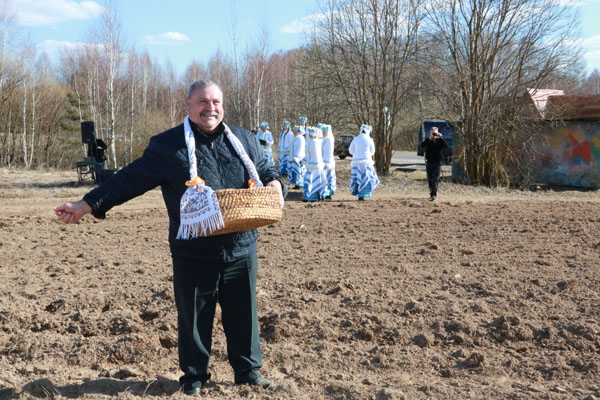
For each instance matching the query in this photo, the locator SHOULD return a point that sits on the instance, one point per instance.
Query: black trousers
(433, 177)
(198, 286)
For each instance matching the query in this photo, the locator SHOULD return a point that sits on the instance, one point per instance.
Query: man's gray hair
(201, 84)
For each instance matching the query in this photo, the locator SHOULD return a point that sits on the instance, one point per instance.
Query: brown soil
(485, 294)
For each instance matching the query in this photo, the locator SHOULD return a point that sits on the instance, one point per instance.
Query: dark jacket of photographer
(165, 164)
(434, 149)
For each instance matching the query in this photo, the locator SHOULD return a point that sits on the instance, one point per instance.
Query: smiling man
(205, 106)
(206, 270)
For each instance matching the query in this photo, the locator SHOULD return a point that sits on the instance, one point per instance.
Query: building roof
(573, 107)
(539, 98)
(553, 104)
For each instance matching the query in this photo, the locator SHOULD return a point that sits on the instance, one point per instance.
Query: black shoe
(296, 187)
(255, 379)
(193, 384)
(192, 388)
(432, 198)
(361, 199)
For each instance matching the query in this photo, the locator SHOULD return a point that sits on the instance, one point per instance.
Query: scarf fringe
(201, 228)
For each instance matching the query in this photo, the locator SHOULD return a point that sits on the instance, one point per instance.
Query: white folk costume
(296, 168)
(315, 181)
(283, 147)
(329, 161)
(364, 178)
(266, 138)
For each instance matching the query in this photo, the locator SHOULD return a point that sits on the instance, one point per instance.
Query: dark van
(342, 144)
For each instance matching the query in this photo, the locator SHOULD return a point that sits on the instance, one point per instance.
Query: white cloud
(591, 49)
(592, 41)
(168, 38)
(53, 48)
(593, 54)
(303, 25)
(577, 3)
(53, 12)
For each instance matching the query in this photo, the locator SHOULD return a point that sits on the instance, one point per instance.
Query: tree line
(387, 63)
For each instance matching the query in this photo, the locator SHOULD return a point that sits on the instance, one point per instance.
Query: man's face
(206, 108)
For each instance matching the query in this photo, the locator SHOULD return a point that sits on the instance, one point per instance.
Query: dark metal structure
(92, 166)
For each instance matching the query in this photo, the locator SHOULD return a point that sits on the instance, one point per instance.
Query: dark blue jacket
(165, 164)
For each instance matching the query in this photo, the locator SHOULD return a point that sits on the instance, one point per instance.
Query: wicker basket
(244, 209)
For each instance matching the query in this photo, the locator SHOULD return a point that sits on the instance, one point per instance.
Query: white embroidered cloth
(199, 208)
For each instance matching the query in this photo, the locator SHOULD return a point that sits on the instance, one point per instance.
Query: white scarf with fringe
(199, 208)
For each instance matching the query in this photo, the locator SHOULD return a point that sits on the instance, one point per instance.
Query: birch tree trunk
(145, 71)
(33, 106)
(110, 36)
(111, 88)
(237, 95)
(24, 134)
(133, 62)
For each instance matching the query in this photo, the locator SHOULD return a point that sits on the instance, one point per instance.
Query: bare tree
(494, 51)
(109, 35)
(24, 120)
(591, 84)
(7, 18)
(194, 72)
(10, 80)
(234, 87)
(363, 48)
(34, 85)
(255, 72)
(133, 83)
(91, 69)
(146, 63)
(172, 98)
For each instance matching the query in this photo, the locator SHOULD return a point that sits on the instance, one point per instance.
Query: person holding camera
(434, 148)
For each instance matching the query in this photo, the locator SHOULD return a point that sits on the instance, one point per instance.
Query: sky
(181, 32)
(175, 30)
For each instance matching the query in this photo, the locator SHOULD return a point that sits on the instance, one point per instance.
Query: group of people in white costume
(306, 157)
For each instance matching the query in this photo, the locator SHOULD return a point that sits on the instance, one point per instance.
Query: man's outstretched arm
(71, 212)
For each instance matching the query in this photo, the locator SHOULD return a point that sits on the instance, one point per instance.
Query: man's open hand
(276, 184)
(71, 212)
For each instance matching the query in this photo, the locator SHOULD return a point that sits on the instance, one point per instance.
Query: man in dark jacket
(219, 268)
(434, 148)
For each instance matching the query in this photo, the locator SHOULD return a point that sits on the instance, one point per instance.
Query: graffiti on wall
(571, 156)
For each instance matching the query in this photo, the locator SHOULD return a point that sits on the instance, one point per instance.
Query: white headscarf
(366, 129)
(315, 132)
